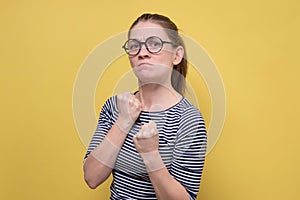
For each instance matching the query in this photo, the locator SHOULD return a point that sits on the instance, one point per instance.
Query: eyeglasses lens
(153, 45)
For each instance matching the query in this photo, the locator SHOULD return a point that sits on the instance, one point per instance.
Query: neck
(155, 97)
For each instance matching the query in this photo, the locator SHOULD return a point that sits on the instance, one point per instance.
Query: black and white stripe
(182, 145)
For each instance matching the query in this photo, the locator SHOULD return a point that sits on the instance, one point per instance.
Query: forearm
(99, 163)
(165, 186)
(95, 173)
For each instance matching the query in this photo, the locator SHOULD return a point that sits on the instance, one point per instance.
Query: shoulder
(110, 103)
(109, 109)
(191, 118)
(188, 110)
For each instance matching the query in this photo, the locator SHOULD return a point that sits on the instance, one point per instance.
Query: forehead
(143, 30)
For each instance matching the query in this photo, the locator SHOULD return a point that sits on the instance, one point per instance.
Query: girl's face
(149, 67)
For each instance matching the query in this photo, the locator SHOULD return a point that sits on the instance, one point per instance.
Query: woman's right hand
(129, 110)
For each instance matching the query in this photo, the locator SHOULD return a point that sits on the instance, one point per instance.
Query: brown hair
(180, 70)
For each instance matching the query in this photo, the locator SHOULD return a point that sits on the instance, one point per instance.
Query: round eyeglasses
(153, 44)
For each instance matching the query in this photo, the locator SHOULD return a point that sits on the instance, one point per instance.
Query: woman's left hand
(146, 140)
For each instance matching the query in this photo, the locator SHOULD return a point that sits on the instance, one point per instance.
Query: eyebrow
(144, 39)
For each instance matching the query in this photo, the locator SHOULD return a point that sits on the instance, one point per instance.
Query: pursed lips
(144, 63)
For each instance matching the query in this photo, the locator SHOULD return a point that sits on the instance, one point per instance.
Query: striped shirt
(182, 146)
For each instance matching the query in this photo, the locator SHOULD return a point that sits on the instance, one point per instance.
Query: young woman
(153, 141)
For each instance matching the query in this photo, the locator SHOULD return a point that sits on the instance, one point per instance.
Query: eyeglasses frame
(145, 43)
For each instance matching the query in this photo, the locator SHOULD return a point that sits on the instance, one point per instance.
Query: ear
(178, 56)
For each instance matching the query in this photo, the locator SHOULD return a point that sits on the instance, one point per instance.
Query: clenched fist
(129, 110)
(146, 140)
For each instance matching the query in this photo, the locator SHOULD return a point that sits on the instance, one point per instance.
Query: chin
(147, 75)
(143, 73)
(151, 80)
(145, 79)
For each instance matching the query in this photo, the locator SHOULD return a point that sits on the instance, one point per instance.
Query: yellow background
(255, 45)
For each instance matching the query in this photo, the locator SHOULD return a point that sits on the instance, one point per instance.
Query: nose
(144, 53)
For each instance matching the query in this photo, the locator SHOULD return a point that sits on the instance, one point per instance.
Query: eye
(154, 43)
(133, 45)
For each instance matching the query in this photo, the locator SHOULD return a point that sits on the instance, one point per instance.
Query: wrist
(124, 124)
(152, 161)
(106, 153)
